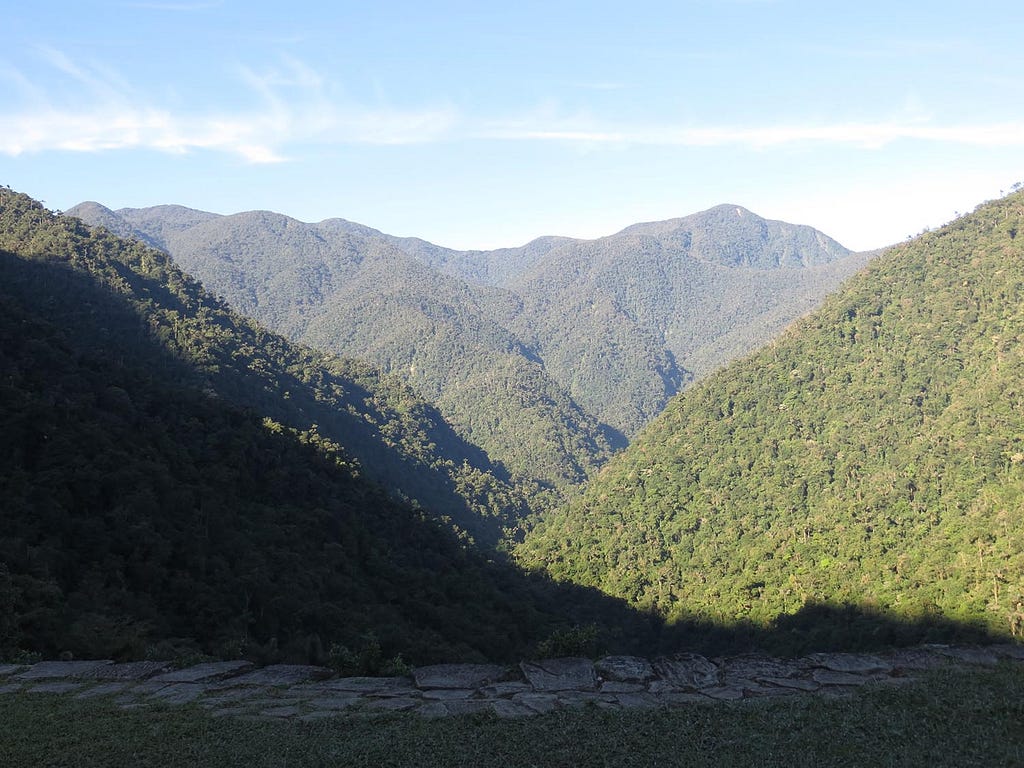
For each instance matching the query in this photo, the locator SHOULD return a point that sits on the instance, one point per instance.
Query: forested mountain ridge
(873, 456)
(547, 356)
(399, 440)
(342, 289)
(164, 493)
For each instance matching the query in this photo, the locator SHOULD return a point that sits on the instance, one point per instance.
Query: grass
(956, 718)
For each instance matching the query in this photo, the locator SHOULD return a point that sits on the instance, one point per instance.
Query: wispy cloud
(292, 105)
(866, 134)
(97, 80)
(256, 137)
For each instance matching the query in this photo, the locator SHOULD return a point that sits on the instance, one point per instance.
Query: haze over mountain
(548, 356)
(873, 456)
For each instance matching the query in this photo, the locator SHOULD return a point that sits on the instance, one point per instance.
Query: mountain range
(549, 357)
(177, 479)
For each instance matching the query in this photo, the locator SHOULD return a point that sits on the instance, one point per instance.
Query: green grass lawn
(956, 718)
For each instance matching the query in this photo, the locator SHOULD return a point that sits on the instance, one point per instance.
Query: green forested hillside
(871, 457)
(156, 499)
(346, 289)
(398, 439)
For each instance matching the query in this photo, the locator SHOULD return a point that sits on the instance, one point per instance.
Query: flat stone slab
(129, 671)
(56, 686)
(179, 693)
(10, 669)
(582, 698)
(678, 699)
(319, 715)
(981, 657)
(541, 703)
(449, 694)
(568, 674)
(638, 701)
(724, 692)
(749, 687)
(760, 667)
(828, 677)
(615, 687)
(103, 689)
(917, 660)
(45, 670)
(213, 670)
(686, 672)
(368, 685)
(506, 689)
(222, 697)
(856, 663)
(792, 683)
(10, 688)
(768, 691)
(283, 674)
(334, 703)
(285, 711)
(625, 669)
(457, 675)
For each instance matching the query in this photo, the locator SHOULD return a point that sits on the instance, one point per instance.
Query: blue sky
(476, 124)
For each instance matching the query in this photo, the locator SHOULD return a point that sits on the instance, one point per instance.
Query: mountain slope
(872, 456)
(346, 289)
(399, 441)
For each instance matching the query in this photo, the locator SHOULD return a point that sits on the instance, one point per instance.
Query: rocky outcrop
(238, 689)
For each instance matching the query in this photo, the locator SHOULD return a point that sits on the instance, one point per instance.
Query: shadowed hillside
(163, 493)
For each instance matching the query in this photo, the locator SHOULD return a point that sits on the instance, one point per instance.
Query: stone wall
(237, 688)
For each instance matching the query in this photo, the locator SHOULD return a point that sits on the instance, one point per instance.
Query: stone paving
(284, 691)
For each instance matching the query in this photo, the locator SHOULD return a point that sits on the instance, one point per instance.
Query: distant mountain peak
(733, 236)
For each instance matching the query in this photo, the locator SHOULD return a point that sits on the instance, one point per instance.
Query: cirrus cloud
(292, 106)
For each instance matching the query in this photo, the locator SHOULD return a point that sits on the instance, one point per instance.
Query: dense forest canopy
(873, 456)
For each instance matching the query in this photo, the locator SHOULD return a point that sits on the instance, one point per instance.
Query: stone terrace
(282, 691)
